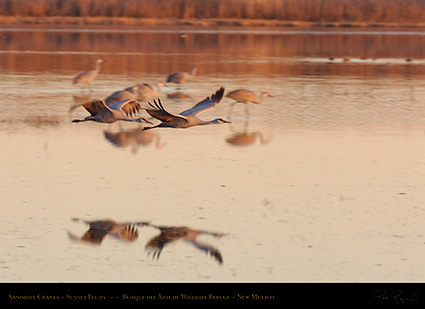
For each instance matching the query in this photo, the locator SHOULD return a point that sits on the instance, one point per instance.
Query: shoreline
(126, 21)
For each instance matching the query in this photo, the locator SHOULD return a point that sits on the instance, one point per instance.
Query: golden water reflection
(25, 50)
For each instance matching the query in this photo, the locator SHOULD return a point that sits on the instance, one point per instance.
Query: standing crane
(246, 96)
(181, 77)
(88, 76)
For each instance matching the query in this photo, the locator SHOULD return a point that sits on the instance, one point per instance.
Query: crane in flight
(187, 118)
(121, 110)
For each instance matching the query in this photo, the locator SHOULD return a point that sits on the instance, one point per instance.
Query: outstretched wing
(168, 235)
(157, 111)
(207, 248)
(129, 106)
(92, 236)
(127, 232)
(94, 106)
(205, 105)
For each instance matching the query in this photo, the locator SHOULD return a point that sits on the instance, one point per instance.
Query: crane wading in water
(187, 118)
(246, 96)
(100, 112)
(181, 77)
(88, 76)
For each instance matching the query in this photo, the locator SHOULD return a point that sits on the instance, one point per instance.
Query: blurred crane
(144, 92)
(181, 77)
(98, 229)
(246, 96)
(88, 76)
(100, 112)
(172, 234)
(119, 96)
(133, 138)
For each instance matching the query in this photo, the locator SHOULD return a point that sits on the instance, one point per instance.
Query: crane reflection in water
(172, 234)
(245, 137)
(133, 138)
(129, 232)
(99, 229)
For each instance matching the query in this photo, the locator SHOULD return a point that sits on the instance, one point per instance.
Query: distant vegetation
(320, 11)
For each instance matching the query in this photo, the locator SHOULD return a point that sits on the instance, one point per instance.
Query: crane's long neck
(158, 87)
(215, 121)
(133, 119)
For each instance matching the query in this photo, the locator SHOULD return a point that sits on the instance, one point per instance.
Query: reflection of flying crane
(128, 231)
(100, 228)
(172, 234)
(133, 138)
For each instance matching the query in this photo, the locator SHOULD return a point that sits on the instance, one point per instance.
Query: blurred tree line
(401, 11)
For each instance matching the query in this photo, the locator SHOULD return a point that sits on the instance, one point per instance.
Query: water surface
(323, 182)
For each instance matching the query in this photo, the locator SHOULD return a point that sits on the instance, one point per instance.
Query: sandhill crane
(140, 92)
(144, 92)
(98, 229)
(187, 118)
(181, 77)
(88, 76)
(173, 234)
(246, 96)
(178, 95)
(119, 96)
(100, 112)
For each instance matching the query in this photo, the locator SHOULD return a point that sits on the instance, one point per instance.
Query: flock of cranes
(123, 104)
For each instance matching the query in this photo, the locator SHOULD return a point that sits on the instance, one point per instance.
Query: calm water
(323, 182)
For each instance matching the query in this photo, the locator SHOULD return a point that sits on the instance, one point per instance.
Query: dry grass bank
(332, 13)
